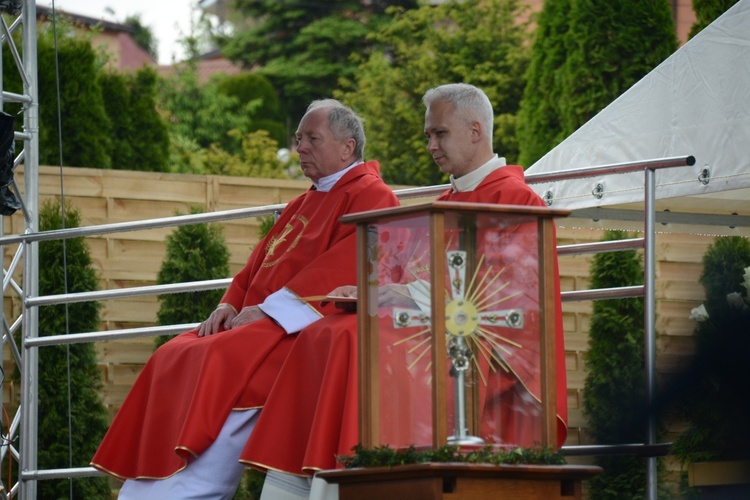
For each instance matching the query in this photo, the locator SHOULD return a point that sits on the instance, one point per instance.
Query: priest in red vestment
(194, 402)
(311, 414)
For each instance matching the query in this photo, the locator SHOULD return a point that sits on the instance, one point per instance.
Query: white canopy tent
(697, 102)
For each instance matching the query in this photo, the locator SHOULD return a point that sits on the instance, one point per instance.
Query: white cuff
(288, 311)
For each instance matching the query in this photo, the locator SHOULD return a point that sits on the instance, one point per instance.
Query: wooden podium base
(461, 481)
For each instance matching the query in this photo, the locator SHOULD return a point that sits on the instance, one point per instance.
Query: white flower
(736, 301)
(699, 313)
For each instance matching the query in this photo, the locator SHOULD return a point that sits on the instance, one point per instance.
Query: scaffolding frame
(25, 422)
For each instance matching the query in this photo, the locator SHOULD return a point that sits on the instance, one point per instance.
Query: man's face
(450, 139)
(320, 154)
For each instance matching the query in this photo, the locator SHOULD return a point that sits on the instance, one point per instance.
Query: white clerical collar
(325, 184)
(470, 181)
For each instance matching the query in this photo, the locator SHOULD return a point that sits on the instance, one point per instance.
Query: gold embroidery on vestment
(296, 223)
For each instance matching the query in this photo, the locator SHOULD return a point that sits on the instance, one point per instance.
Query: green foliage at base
(195, 252)
(385, 456)
(72, 416)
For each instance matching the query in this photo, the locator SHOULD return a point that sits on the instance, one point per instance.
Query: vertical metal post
(649, 312)
(2, 274)
(30, 356)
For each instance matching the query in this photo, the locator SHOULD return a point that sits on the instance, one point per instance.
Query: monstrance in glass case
(456, 305)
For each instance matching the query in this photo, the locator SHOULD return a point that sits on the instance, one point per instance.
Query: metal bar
(14, 286)
(128, 333)
(639, 450)
(420, 192)
(60, 473)
(11, 341)
(12, 267)
(16, 56)
(26, 214)
(13, 97)
(16, 23)
(29, 370)
(600, 246)
(603, 293)
(12, 431)
(68, 298)
(615, 168)
(650, 321)
(662, 217)
(121, 227)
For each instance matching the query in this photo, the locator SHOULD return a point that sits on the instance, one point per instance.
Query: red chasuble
(311, 414)
(180, 401)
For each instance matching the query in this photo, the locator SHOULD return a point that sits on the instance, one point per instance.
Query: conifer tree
(68, 262)
(539, 113)
(605, 49)
(140, 140)
(706, 12)
(195, 252)
(86, 128)
(148, 134)
(614, 393)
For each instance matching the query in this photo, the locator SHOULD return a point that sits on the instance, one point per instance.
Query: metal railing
(30, 302)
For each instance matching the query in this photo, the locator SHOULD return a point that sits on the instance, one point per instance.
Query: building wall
(684, 16)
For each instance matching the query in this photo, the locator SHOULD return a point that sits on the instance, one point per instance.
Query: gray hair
(470, 101)
(344, 123)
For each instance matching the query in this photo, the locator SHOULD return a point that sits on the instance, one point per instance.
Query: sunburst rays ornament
(469, 316)
(473, 327)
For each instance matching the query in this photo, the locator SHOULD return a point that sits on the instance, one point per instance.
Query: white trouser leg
(281, 486)
(215, 474)
(321, 490)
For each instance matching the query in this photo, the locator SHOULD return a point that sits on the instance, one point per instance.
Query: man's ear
(476, 132)
(349, 147)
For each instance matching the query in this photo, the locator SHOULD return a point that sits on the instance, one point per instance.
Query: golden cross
(276, 240)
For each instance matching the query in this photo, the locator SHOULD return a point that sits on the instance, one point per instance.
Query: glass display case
(456, 311)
